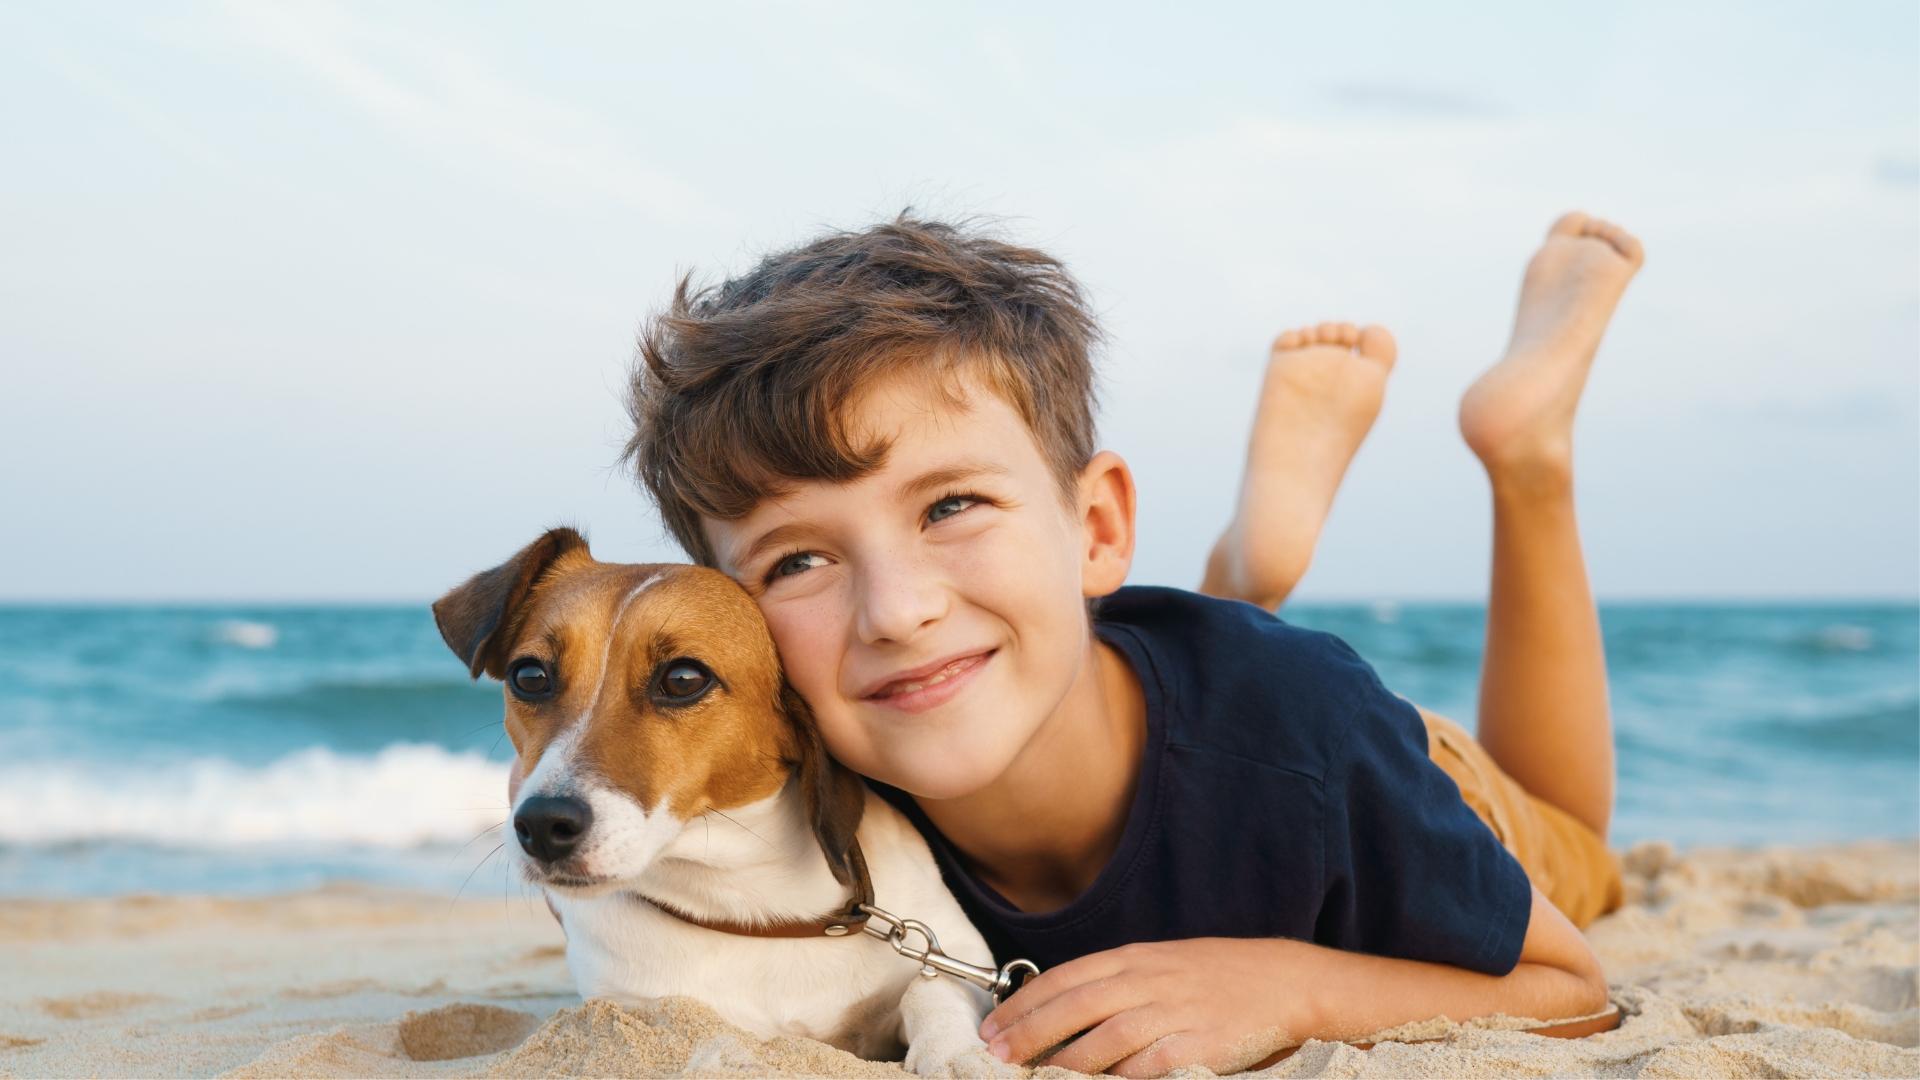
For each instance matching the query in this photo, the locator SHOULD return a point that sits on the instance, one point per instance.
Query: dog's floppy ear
(471, 616)
(834, 795)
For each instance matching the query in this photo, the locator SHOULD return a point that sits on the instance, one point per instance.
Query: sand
(1789, 962)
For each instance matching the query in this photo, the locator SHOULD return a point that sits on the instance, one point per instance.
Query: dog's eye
(683, 680)
(530, 680)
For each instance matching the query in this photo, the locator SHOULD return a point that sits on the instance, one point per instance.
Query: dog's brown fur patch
(605, 638)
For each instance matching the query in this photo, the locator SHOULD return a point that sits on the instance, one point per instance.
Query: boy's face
(905, 568)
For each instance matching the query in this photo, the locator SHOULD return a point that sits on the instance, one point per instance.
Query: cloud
(1409, 100)
(1900, 172)
(432, 92)
(1863, 408)
(155, 122)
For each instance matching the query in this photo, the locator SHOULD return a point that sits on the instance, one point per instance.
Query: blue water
(250, 749)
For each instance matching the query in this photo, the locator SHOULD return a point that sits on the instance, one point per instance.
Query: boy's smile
(930, 685)
(932, 612)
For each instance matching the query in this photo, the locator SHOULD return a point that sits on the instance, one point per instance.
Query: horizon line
(1631, 599)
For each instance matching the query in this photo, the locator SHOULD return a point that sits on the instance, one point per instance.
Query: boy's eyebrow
(950, 474)
(932, 478)
(768, 539)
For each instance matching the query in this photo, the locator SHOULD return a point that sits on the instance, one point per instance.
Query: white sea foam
(247, 633)
(1842, 637)
(404, 796)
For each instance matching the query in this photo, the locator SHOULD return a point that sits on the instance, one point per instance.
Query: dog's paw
(957, 1059)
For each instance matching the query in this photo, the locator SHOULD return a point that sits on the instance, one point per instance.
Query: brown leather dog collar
(846, 922)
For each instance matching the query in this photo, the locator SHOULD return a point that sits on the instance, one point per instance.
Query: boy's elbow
(1561, 991)
(1553, 942)
(1594, 986)
(1588, 991)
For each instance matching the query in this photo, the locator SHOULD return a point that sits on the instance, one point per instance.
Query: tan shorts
(1562, 856)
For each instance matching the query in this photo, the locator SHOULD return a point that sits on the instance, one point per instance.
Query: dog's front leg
(940, 1024)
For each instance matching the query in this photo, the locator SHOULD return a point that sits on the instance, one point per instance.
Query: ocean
(253, 749)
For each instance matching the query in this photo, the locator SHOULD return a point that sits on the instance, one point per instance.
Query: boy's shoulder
(1231, 677)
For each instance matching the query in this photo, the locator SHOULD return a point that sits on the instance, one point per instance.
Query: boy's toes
(1571, 223)
(1619, 239)
(1375, 343)
(1346, 335)
(1335, 333)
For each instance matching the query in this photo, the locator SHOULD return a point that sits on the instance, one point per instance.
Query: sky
(336, 303)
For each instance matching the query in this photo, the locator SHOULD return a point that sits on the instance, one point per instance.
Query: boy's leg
(1543, 682)
(1322, 390)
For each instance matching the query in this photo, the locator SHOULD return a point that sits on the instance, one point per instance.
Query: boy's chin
(945, 772)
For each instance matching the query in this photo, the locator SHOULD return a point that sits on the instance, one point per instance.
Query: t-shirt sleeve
(1410, 870)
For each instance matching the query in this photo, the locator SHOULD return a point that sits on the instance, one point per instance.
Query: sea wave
(246, 633)
(406, 795)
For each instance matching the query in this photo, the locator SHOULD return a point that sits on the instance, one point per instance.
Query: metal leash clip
(998, 982)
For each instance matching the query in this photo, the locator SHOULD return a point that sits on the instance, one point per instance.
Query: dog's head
(638, 697)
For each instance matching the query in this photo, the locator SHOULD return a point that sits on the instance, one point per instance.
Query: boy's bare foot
(1518, 417)
(1323, 388)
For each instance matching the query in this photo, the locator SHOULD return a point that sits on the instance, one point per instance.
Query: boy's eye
(933, 512)
(791, 560)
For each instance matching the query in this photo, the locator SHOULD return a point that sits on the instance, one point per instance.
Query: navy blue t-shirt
(1283, 792)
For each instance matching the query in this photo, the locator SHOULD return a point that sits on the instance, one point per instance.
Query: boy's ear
(834, 795)
(471, 617)
(1106, 520)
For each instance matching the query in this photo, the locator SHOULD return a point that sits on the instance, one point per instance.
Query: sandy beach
(1779, 962)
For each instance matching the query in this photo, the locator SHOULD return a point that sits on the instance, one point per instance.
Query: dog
(685, 820)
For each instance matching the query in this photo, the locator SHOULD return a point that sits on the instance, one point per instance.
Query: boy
(1216, 833)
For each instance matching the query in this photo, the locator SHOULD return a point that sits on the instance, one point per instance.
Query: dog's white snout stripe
(606, 651)
(625, 836)
(553, 774)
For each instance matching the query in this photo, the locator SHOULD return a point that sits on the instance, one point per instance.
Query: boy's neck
(1041, 833)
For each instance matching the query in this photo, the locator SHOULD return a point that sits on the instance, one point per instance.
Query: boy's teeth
(936, 678)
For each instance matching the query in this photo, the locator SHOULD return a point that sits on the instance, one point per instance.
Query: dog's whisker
(476, 836)
(470, 873)
(750, 832)
(461, 850)
(773, 762)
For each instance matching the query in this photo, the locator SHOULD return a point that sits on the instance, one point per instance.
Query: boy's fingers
(1066, 1015)
(1043, 987)
(1160, 1058)
(1119, 1037)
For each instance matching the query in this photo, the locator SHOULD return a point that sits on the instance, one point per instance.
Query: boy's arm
(1227, 1003)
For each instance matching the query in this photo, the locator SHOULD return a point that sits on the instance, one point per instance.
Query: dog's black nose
(550, 827)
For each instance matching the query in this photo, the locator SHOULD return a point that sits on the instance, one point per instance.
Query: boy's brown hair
(742, 389)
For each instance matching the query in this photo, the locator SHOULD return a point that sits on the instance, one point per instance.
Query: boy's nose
(895, 602)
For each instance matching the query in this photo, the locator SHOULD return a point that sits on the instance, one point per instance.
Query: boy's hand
(1228, 1003)
(1220, 1002)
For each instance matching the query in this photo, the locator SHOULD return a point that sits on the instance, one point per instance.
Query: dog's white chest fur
(852, 992)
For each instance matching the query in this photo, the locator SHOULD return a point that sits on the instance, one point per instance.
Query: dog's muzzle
(551, 827)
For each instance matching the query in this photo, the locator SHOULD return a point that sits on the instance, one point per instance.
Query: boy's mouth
(925, 690)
